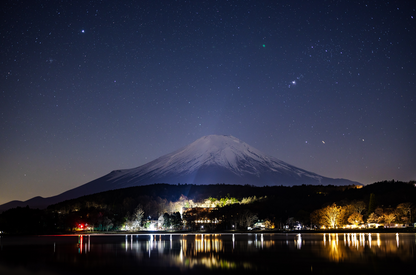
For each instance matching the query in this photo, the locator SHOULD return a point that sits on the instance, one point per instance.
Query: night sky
(92, 86)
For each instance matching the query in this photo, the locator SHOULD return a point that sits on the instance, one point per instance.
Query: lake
(252, 253)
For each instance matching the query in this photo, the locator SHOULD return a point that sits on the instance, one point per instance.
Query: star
(147, 89)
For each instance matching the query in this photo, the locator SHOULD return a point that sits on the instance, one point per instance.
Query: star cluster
(92, 86)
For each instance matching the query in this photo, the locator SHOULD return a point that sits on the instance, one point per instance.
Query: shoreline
(225, 232)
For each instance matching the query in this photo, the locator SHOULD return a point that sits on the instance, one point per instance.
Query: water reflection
(190, 250)
(354, 245)
(298, 241)
(252, 252)
(83, 247)
(214, 250)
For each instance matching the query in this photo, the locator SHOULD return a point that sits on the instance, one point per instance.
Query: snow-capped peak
(227, 153)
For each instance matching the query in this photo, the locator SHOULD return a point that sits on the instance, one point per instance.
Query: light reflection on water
(188, 250)
(206, 249)
(213, 252)
(350, 246)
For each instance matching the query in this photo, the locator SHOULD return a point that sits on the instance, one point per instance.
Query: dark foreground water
(209, 254)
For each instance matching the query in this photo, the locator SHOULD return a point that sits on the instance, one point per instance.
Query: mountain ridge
(208, 160)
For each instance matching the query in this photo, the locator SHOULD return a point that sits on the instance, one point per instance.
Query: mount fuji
(209, 160)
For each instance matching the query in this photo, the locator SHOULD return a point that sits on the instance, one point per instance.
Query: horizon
(88, 88)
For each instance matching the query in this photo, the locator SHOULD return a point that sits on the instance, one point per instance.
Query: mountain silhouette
(209, 160)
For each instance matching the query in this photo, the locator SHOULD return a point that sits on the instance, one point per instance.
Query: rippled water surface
(209, 254)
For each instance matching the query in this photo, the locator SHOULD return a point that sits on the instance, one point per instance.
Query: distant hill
(280, 199)
(209, 160)
(198, 193)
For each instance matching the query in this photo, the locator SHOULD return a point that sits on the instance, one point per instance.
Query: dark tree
(176, 220)
(166, 220)
(372, 204)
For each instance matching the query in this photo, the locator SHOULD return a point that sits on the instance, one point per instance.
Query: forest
(221, 207)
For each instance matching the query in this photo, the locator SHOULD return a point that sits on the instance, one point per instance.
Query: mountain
(209, 160)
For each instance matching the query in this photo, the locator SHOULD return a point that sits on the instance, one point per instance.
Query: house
(197, 217)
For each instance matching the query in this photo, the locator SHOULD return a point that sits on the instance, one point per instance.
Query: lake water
(209, 254)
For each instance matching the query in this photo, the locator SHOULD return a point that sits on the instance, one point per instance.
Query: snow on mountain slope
(236, 162)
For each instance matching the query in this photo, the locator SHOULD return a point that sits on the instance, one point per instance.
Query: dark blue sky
(92, 86)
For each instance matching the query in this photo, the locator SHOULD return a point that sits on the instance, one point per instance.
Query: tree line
(189, 207)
